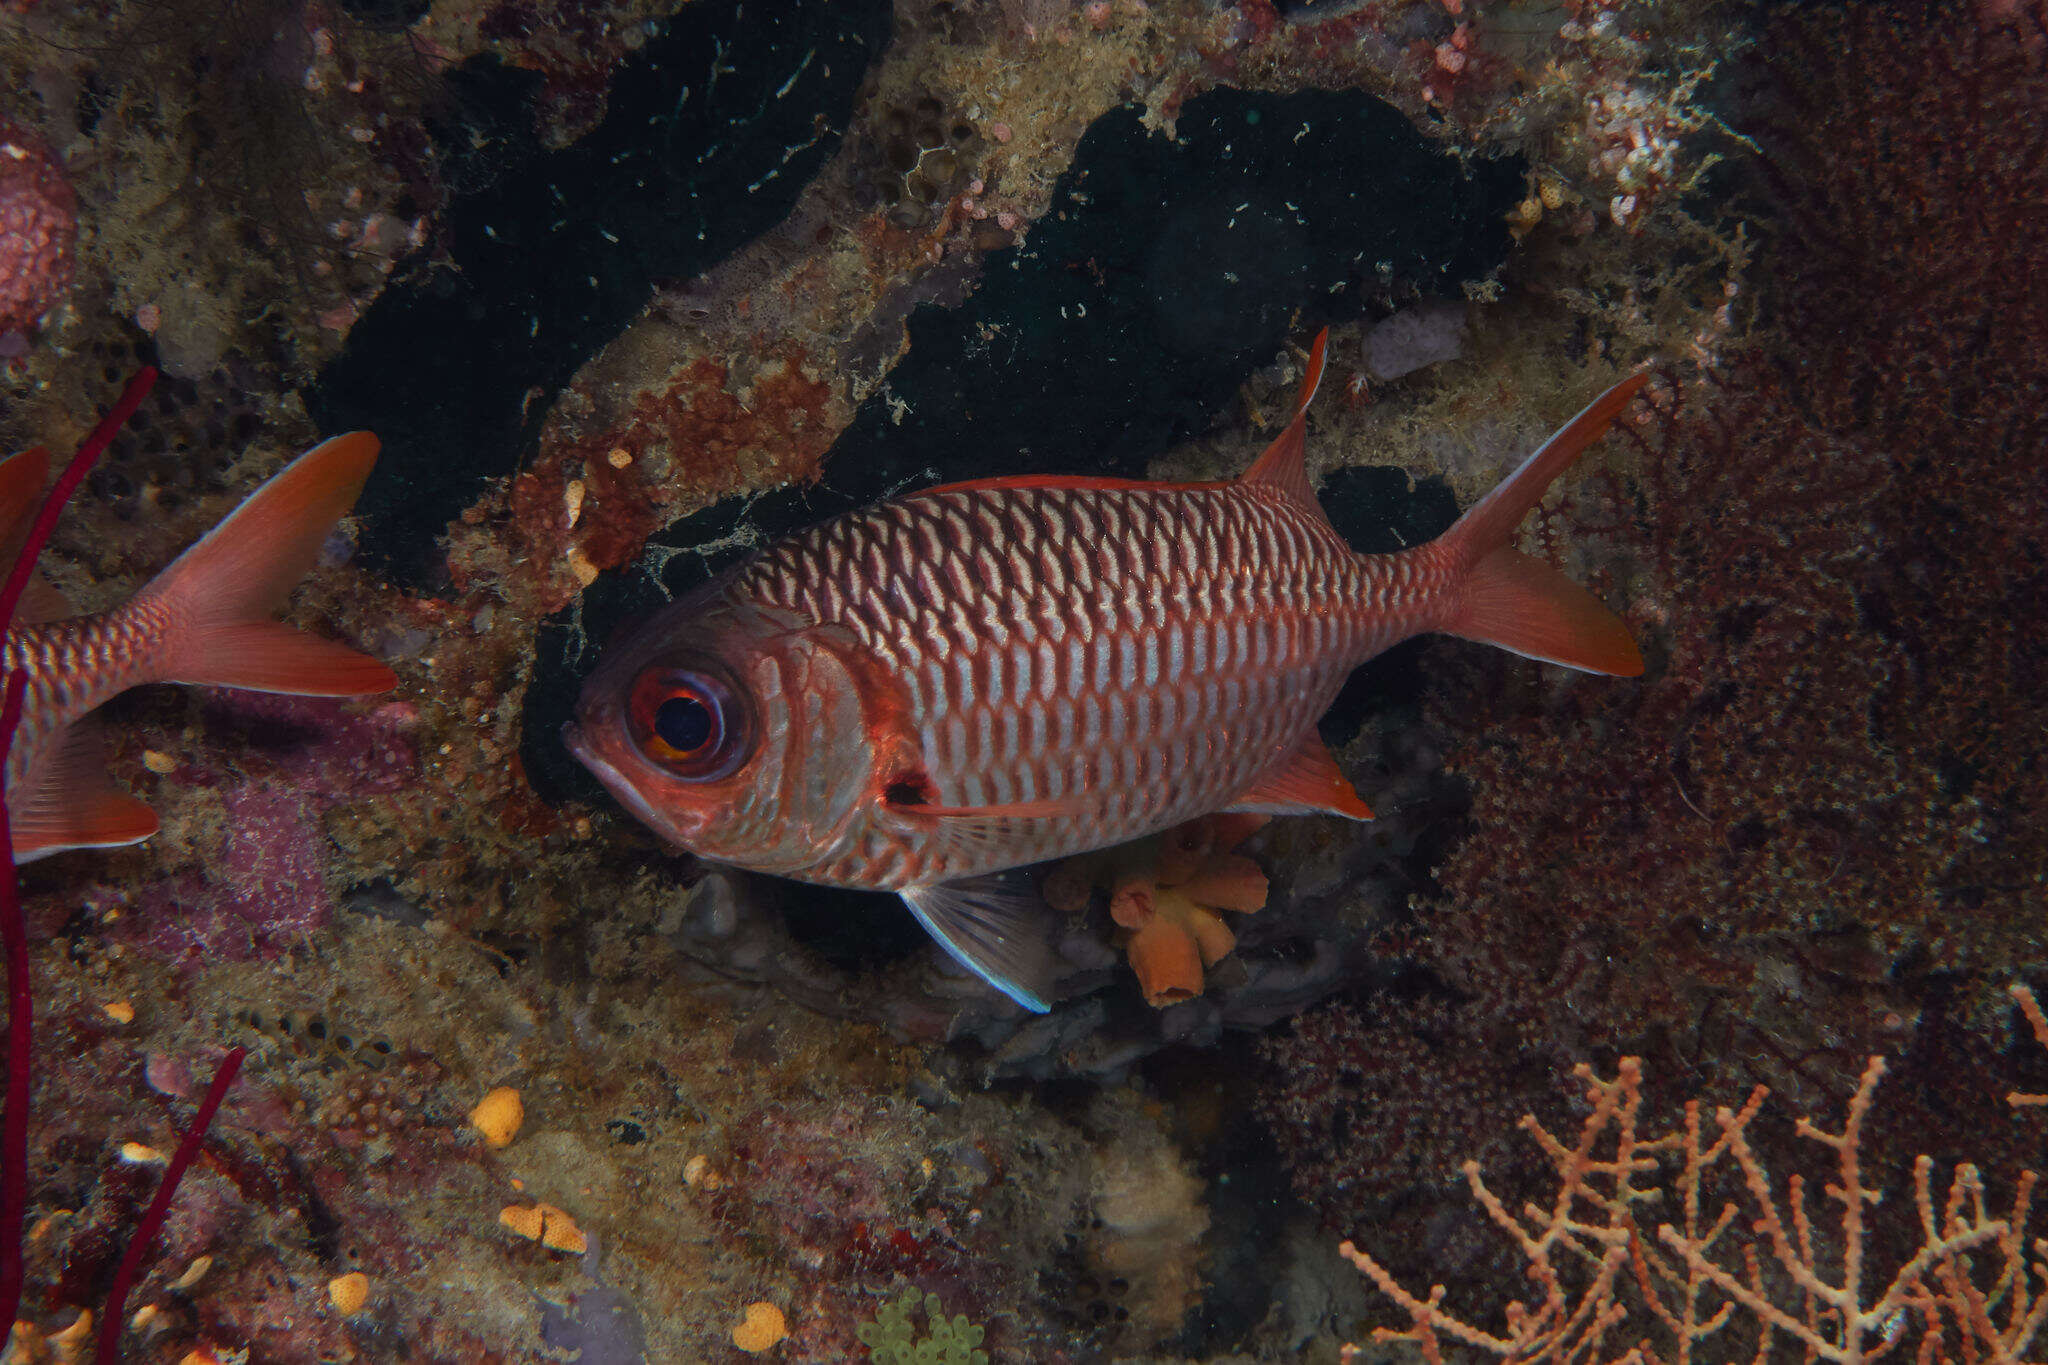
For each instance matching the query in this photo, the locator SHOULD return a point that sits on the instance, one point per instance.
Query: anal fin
(1306, 782)
(998, 928)
(69, 802)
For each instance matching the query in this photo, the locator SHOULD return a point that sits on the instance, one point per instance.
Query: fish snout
(573, 740)
(586, 747)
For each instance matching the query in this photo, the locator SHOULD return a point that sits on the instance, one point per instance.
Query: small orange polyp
(546, 1224)
(763, 1326)
(498, 1117)
(1228, 881)
(348, 1293)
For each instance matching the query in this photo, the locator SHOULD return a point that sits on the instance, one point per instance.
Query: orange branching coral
(1165, 891)
(1970, 1287)
(2031, 1009)
(1584, 1246)
(1841, 1320)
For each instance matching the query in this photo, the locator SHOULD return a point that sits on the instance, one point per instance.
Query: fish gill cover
(712, 131)
(1167, 270)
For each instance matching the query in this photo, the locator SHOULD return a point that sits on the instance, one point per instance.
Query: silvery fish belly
(920, 695)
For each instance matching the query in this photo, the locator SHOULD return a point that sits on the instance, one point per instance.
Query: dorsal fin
(1282, 467)
(1004, 483)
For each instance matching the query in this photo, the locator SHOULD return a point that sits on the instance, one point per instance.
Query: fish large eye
(688, 721)
(685, 723)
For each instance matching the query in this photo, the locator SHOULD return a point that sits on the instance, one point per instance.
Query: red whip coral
(14, 936)
(38, 228)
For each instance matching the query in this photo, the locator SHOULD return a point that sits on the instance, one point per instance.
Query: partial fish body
(916, 696)
(205, 619)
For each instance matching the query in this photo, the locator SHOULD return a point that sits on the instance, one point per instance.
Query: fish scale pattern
(1135, 655)
(71, 666)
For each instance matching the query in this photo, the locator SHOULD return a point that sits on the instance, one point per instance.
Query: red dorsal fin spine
(220, 594)
(1284, 466)
(1503, 597)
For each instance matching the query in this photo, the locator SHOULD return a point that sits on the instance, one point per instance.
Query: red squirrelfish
(205, 619)
(919, 695)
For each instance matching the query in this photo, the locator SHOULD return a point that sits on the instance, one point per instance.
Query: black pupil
(684, 724)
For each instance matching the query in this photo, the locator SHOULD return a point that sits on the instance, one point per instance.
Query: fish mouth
(617, 783)
(579, 748)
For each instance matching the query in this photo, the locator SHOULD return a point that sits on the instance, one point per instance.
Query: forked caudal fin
(220, 593)
(1504, 597)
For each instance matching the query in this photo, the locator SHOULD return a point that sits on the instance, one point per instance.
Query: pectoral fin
(974, 832)
(1306, 782)
(997, 928)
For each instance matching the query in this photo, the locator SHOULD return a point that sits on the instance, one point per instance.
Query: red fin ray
(1521, 604)
(69, 803)
(1090, 482)
(1306, 782)
(1279, 467)
(223, 590)
(1508, 599)
(269, 656)
(1488, 523)
(1284, 465)
(22, 477)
